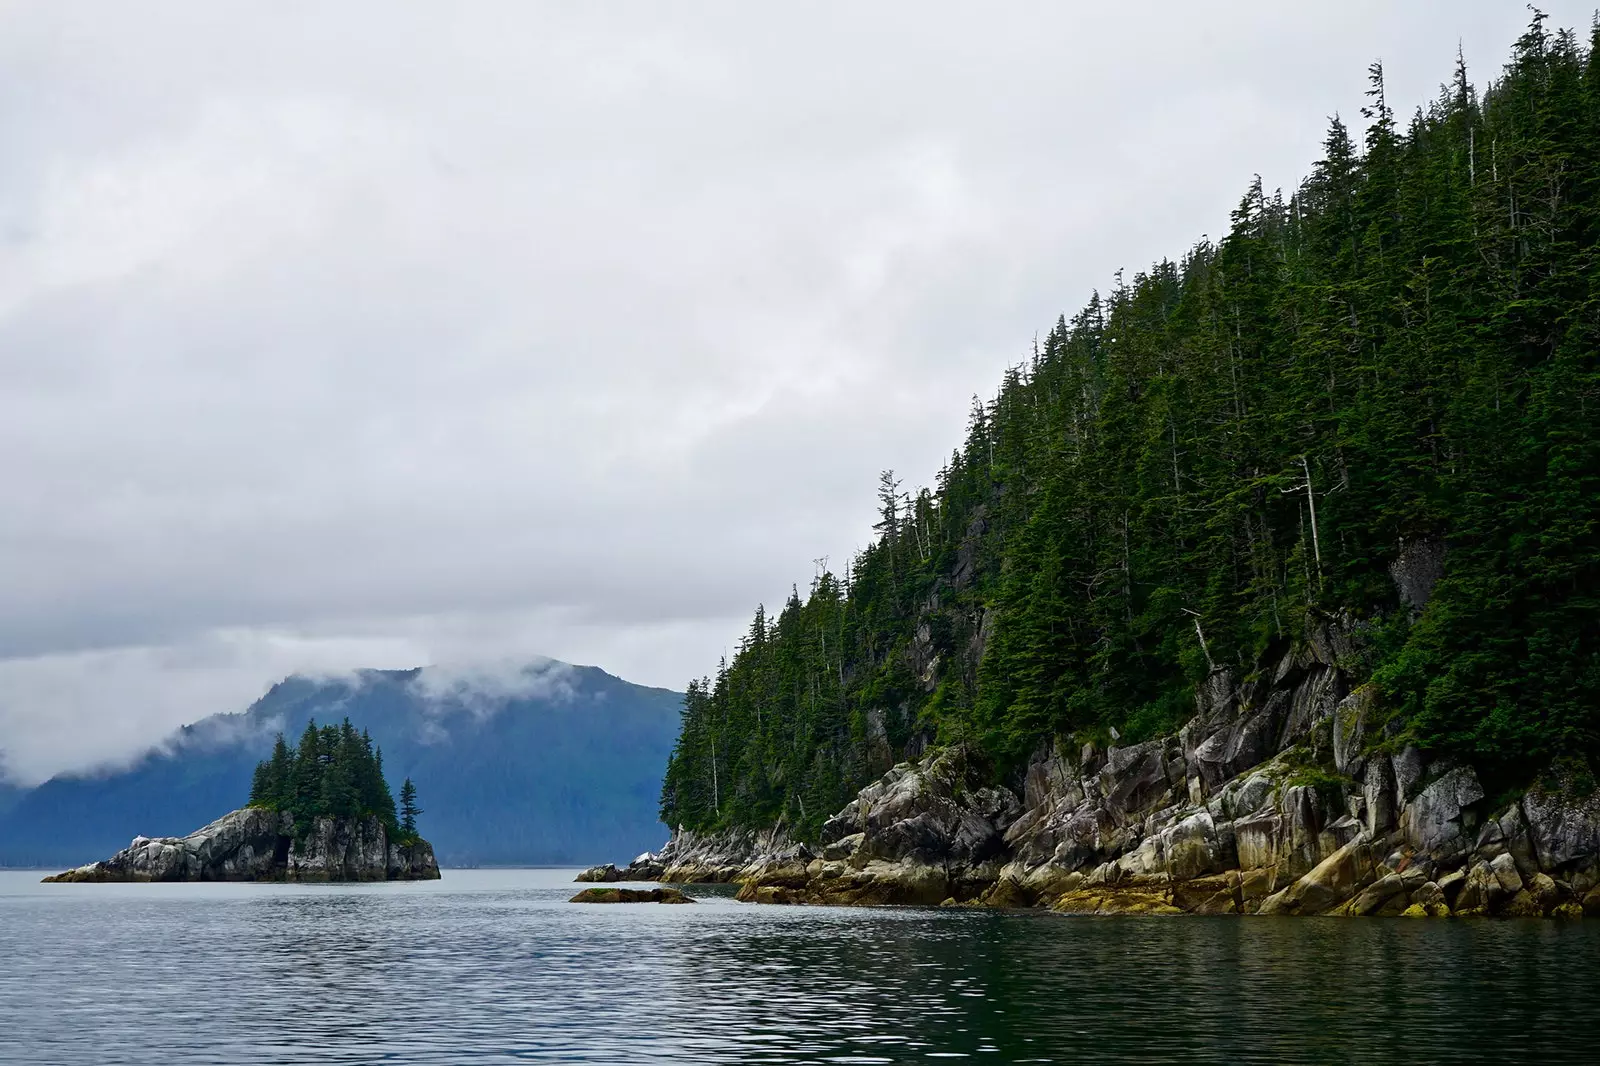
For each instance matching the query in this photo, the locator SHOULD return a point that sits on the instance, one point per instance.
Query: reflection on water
(495, 966)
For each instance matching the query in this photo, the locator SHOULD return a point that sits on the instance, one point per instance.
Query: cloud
(484, 688)
(376, 334)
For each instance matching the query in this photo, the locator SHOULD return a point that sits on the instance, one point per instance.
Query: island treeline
(334, 772)
(1389, 372)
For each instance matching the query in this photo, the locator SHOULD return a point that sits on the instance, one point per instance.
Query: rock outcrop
(261, 845)
(630, 895)
(1280, 796)
(709, 858)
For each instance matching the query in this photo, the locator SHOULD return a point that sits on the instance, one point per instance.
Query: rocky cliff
(1280, 796)
(261, 845)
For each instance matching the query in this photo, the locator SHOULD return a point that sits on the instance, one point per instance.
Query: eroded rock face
(260, 845)
(716, 858)
(1278, 797)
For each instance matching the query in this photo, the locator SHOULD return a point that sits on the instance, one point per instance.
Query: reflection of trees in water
(329, 974)
(820, 982)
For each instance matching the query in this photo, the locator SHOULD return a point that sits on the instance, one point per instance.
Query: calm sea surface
(494, 966)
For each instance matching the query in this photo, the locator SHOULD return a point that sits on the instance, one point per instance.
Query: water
(495, 967)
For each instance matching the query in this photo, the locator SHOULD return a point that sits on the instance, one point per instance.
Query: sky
(380, 334)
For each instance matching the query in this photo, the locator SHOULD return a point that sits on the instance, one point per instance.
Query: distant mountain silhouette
(549, 764)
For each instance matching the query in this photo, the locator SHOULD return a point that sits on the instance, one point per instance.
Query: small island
(319, 811)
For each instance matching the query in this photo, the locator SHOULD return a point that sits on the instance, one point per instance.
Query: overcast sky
(377, 334)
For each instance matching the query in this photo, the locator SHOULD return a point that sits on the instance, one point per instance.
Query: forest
(334, 772)
(1225, 450)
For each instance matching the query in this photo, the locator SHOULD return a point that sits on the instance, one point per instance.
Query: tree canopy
(334, 772)
(1395, 361)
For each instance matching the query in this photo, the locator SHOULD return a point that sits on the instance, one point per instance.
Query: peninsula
(1265, 583)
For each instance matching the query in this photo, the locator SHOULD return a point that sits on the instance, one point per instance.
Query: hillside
(563, 765)
(1372, 407)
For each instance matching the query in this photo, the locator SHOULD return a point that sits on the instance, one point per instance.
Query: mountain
(551, 764)
(1371, 409)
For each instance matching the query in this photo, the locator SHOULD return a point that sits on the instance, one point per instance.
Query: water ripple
(495, 967)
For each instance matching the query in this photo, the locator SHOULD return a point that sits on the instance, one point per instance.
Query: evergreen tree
(333, 772)
(409, 809)
(1199, 469)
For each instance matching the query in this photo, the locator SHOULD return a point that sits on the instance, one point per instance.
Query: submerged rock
(261, 845)
(630, 895)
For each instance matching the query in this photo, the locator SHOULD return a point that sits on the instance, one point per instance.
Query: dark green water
(494, 967)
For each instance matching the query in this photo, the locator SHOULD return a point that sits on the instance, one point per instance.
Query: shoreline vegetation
(1266, 584)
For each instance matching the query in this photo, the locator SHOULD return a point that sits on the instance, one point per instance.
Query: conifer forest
(1393, 368)
(334, 772)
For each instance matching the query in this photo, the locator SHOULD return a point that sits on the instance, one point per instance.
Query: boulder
(1333, 881)
(1429, 894)
(600, 874)
(1505, 871)
(1486, 888)
(1591, 903)
(630, 895)
(1374, 896)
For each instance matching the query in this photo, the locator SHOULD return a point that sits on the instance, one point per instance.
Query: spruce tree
(408, 809)
(333, 772)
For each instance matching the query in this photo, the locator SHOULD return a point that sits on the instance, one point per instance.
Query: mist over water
(493, 966)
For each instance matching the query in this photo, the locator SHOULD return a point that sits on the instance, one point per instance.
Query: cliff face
(1276, 798)
(261, 845)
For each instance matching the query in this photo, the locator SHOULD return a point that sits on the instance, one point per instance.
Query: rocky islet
(254, 844)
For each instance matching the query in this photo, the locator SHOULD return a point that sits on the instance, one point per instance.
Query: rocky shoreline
(254, 844)
(1279, 797)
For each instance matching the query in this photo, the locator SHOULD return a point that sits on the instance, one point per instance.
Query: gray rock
(1480, 891)
(1375, 895)
(1350, 732)
(1504, 868)
(1565, 833)
(1431, 822)
(260, 845)
(1408, 770)
(1416, 569)
(1428, 894)
(1378, 791)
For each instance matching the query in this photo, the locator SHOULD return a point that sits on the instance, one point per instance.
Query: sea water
(494, 966)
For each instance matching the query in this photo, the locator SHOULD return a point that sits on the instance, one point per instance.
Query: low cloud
(484, 688)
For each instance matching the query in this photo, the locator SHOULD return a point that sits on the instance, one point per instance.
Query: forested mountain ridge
(1375, 400)
(548, 764)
